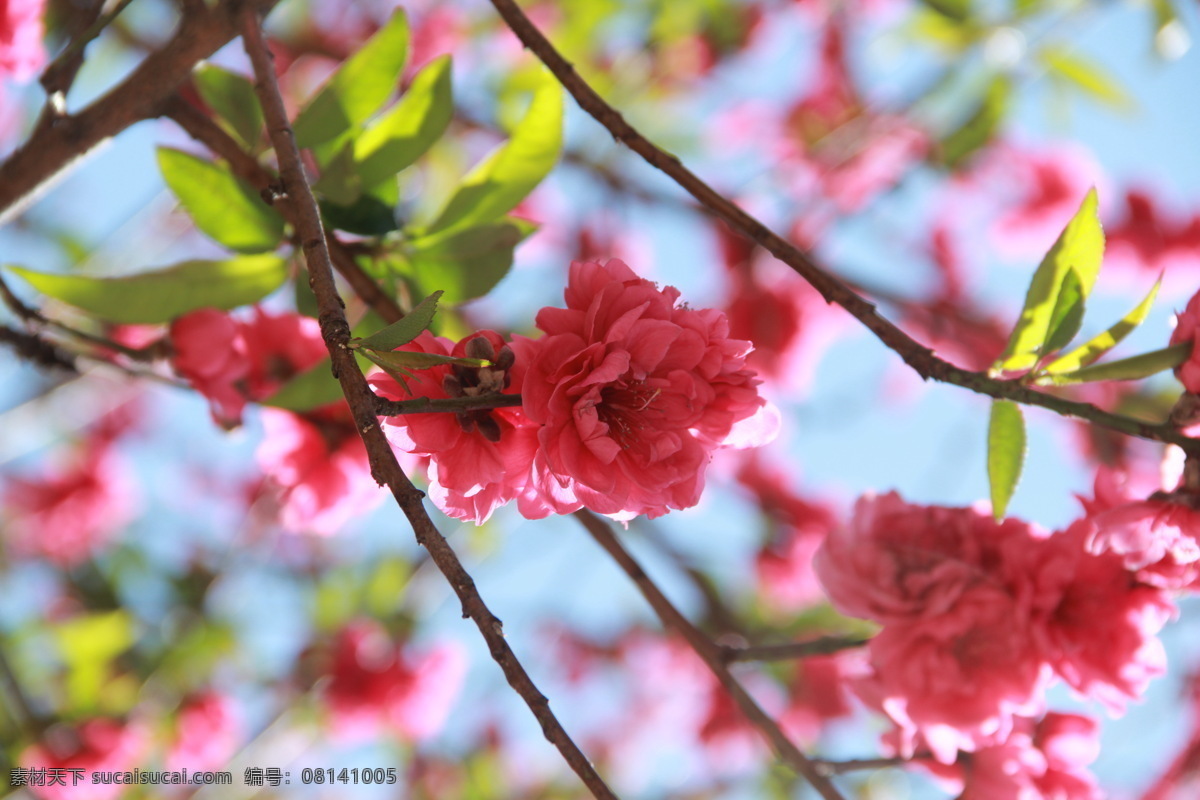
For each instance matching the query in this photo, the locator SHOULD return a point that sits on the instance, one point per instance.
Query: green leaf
(232, 97)
(504, 178)
(405, 329)
(469, 263)
(384, 590)
(366, 216)
(1126, 369)
(312, 388)
(339, 181)
(1101, 343)
(154, 297)
(1067, 317)
(1006, 453)
(88, 644)
(405, 359)
(220, 204)
(410, 128)
(1080, 247)
(962, 143)
(957, 10)
(1087, 76)
(359, 88)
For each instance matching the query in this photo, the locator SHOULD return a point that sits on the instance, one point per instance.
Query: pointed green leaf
(154, 297)
(405, 329)
(1101, 343)
(978, 129)
(1067, 317)
(1006, 453)
(1126, 369)
(359, 88)
(1079, 247)
(1086, 75)
(220, 204)
(366, 216)
(232, 97)
(469, 263)
(404, 133)
(504, 178)
(405, 359)
(339, 181)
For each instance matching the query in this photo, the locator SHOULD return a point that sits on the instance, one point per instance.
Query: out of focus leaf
(366, 216)
(1006, 453)
(957, 10)
(232, 97)
(385, 588)
(469, 263)
(406, 131)
(88, 644)
(359, 88)
(221, 205)
(504, 178)
(1080, 247)
(1126, 369)
(310, 389)
(405, 329)
(154, 297)
(977, 131)
(1087, 76)
(1101, 343)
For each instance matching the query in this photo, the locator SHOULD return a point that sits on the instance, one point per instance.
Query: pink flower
(97, 745)
(21, 50)
(1150, 240)
(900, 563)
(1095, 622)
(1046, 760)
(376, 685)
(69, 514)
(480, 460)
(232, 362)
(633, 394)
(817, 695)
(1187, 325)
(319, 465)
(208, 730)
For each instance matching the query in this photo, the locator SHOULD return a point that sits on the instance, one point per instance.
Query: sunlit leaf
(359, 88)
(232, 97)
(405, 329)
(1126, 369)
(406, 131)
(221, 205)
(1006, 453)
(1080, 247)
(1101, 343)
(1067, 317)
(1087, 76)
(978, 129)
(504, 178)
(87, 645)
(467, 264)
(154, 297)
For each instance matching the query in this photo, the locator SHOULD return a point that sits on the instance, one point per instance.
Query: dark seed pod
(505, 358)
(481, 348)
(452, 385)
(488, 427)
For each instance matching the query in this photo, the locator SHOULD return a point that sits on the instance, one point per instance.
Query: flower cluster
(624, 399)
(978, 615)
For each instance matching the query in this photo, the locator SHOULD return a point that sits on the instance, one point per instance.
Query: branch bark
(710, 653)
(384, 467)
(920, 358)
(823, 646)
(61, 140)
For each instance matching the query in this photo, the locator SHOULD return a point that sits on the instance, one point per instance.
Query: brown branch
(36, 350)
(207, 132)
(710, 653)
(823, 646)
(60, 74)
(920, 358)
(59, 141)
(854, 764)
(384, 467)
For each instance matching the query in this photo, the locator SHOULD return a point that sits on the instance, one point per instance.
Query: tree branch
(384, 467)
(204, 130)
(920, 358)
(427, 405)
(823, 646)
(59, 141)
(710, 653)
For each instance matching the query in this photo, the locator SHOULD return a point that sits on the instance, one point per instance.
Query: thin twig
(58, 142)
(36, 350)
(209, 133)
(854, 764)
(823, 646)
(709, 652)
(60, 74)
(426, 405)
(384, 467)
(920, 358)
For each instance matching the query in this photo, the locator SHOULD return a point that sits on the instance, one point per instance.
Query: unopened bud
(488, 427)
(452, 385)
(505, 358)
(481, 348)
(466, 422)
